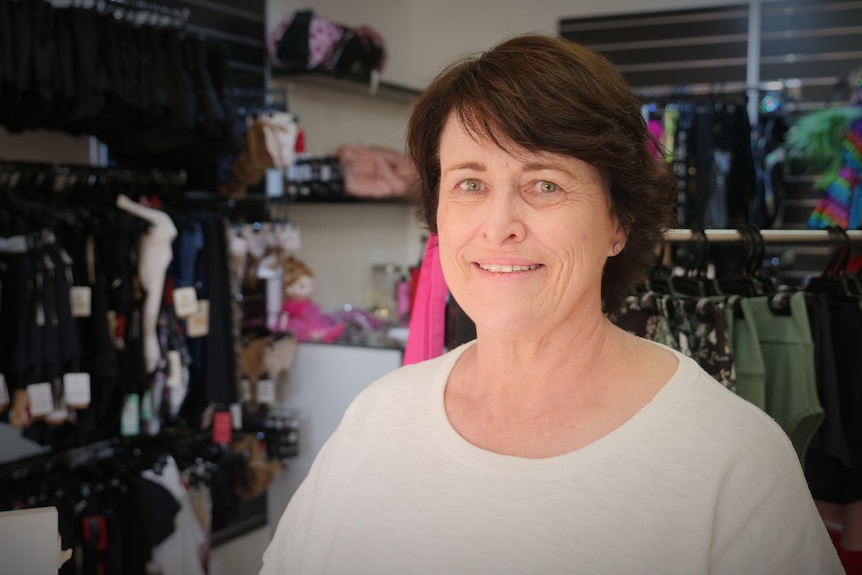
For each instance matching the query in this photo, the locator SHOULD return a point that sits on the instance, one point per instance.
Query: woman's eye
(471, 185)
(547, 187)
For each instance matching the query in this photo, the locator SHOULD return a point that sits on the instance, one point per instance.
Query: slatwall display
(812, 44)
(817, 43)
(669, 49)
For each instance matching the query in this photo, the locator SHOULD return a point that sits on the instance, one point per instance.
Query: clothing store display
(92, 262)
(93, 294)
(395, 468)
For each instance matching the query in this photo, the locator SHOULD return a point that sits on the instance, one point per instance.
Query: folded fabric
(375, 171)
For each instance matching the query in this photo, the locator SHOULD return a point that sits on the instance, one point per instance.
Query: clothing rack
(46, 463)
(769, 236)
(280, 431)
(71, 173)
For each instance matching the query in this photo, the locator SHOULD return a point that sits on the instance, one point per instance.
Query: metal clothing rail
(769, 236)
(178, 15)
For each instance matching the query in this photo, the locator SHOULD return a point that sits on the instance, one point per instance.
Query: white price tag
(76, 389)
(266, 391)
(40, 398)
(198, 324)
(185, 301)
(245, 390)
(82, 301)
(236, 415)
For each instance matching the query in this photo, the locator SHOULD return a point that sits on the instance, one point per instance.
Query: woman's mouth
(507, 268)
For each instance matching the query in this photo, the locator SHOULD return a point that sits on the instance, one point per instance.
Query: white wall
(340, 243)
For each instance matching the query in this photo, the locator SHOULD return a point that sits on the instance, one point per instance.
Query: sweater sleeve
(756, 530)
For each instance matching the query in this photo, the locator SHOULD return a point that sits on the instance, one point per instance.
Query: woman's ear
(618, 240)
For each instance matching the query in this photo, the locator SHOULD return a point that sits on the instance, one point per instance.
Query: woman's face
(523, 237)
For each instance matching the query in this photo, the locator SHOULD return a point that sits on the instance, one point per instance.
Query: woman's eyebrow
(476, 166)
(541, 166)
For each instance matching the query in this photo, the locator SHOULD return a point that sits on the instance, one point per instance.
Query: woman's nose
(503, 218)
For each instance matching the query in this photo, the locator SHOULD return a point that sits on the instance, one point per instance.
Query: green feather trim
(817, 138)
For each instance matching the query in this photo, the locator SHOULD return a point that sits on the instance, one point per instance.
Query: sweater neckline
(582, 460)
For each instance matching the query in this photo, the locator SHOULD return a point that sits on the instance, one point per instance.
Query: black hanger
(695, 282)
(834, 280)
(748, 279)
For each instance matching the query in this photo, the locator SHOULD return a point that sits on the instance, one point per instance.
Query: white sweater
(698, 481)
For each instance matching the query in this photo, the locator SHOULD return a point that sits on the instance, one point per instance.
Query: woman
(555, 442)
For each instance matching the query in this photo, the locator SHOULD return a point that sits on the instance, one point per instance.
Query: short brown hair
(548, 94)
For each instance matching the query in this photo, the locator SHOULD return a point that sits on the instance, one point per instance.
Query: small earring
(617, 247)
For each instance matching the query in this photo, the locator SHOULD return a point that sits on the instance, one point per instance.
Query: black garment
(221, 368)
(213, 371)
(98, 354)
(17, 302)
(63, 73)
(146, 512)
(7, 60)
(833, 477)
(830, 439)
(89, 98)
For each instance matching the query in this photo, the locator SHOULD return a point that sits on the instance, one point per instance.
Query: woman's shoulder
(707, 406)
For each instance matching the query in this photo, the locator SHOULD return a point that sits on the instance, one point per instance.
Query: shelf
(384, 90)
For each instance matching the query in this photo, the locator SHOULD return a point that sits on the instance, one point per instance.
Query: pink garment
(655, 128)
(308, 323)
(428, 318)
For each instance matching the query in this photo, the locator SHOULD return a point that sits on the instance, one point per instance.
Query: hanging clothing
(427, 320)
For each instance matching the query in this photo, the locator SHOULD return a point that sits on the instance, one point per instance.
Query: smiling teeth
(503, 268)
